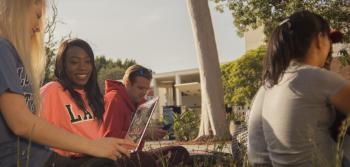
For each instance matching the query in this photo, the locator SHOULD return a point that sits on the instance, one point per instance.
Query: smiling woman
(74, 101)
(75, 69)
(78, 66)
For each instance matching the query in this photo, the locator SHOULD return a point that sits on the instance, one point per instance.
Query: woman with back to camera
(295, 119)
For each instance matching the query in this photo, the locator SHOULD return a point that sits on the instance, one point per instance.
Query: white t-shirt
(257, 149)
(296, 119)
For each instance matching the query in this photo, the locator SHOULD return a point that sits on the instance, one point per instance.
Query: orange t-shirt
(59, 108)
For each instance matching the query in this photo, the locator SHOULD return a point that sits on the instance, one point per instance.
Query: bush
(186, 125)
(236, 116)
(241, 78)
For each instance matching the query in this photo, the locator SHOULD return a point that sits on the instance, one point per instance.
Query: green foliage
(242, 77)
(250, 14)
(236, 116)
(111, 69)
(186, 125)
(115, 73)
(344, 57)
(49, 68)
(102, 62)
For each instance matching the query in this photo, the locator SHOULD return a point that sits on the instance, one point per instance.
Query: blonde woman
(21, 69)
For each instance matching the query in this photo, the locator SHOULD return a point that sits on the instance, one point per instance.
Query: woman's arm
(341, 99)
(25, 124)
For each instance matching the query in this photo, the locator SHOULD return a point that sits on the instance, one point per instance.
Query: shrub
(186, 125)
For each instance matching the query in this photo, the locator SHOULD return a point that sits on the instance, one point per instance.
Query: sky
(155, 33)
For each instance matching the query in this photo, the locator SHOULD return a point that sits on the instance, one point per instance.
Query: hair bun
(335, 36)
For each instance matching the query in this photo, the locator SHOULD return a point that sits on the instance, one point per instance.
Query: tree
(51, 43)
(213, 111)
(115, 73)
(111, 69)
(242, 77)
(251, 14)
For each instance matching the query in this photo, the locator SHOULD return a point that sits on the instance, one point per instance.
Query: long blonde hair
(14, 16)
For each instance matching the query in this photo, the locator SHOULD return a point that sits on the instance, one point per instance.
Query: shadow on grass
(211, 159)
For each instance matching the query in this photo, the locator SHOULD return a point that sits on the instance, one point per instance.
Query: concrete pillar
(155, 87)
(169, 95)
(178, 92)
(158, 113)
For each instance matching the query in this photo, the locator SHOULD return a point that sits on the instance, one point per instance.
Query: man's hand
(154, 133)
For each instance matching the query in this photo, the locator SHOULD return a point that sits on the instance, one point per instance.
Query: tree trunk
(213, 121)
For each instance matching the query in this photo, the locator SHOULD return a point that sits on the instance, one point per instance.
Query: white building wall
(254, 38)
(162, 100)
(191, 101)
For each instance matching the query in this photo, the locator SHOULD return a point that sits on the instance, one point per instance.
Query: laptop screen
(141, 120)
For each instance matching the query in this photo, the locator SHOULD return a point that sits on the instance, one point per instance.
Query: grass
(211, 153)
(217, 157)
(203, 154)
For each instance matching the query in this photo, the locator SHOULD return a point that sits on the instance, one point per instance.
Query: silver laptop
(140, 121)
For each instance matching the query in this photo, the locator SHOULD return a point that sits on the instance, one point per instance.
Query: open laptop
(140, 121)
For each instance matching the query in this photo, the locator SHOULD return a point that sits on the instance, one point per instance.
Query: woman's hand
(25, 124)
(111, 148)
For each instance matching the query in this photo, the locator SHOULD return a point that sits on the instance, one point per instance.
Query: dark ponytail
(290, 41)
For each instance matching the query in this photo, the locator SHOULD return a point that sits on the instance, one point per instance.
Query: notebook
(140, 121)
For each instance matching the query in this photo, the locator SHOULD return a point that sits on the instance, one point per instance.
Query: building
(177, 88)
(182, 88)
(254, 38)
